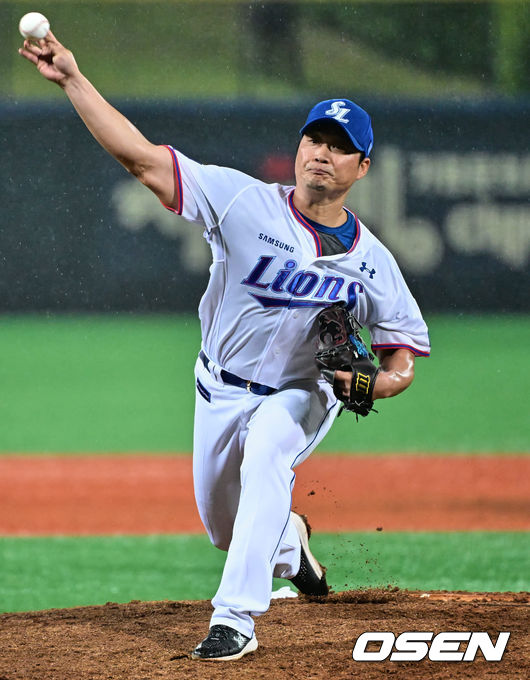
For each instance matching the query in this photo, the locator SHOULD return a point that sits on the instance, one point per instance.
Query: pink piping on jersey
(357, 232)
(300, 218)
(178, 176)
(417, 352)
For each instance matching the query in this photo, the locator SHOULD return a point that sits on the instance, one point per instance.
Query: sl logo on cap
(338, 111)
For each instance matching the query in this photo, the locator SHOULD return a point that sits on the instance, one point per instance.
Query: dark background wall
(447, 192)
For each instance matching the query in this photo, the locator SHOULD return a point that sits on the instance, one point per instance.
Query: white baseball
(34, 25)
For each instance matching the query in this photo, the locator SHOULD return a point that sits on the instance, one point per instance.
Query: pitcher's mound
(299, 639)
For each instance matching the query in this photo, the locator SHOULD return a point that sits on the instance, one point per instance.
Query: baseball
(34, 25)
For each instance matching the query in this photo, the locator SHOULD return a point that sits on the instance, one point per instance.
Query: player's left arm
(396, 374)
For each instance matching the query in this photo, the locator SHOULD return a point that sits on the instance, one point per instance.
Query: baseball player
(280, 255)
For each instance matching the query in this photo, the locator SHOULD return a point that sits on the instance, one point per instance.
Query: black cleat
(224, 644)
(311, 578)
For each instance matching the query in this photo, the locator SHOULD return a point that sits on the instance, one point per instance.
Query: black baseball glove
(340, 348)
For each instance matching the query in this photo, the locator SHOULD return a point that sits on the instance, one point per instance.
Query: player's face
(327, 162)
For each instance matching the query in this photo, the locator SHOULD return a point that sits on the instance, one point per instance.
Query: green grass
(146, 49)
(115, 383)
(44, 573)
(124, 383)
(199, 49)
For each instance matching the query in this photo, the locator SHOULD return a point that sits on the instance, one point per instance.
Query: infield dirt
(88, 495)
(298, 639)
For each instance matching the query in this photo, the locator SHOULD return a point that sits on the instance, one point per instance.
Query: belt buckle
(249, 385)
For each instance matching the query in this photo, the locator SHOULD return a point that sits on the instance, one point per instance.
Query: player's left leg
(282, 432)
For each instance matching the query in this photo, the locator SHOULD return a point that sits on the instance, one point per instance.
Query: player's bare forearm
(396, 374)
(150, 163)
(111, 129)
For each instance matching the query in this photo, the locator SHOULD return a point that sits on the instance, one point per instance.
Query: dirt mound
(299, 639)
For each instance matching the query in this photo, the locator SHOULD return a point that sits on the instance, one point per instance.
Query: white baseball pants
(245, 449)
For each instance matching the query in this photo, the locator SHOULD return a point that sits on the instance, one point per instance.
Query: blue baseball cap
(352, 119)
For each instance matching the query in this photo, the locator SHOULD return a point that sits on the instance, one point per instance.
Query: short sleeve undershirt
(336, 240)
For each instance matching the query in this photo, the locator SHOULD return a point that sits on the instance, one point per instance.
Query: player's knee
(219, 533)
(219, 538)
(221, 542)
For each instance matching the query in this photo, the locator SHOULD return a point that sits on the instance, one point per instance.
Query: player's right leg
(217, 454)
(221, 417)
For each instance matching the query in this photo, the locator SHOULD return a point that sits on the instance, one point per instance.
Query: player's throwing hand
(53, 60)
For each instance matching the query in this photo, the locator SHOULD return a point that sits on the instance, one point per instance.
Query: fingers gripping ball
(34, 25)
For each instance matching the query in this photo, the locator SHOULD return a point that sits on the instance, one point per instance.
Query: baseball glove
(340, 348)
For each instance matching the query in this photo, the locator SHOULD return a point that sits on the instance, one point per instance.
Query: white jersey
(268, 279)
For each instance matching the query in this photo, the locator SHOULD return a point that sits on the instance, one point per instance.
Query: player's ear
(364, 165)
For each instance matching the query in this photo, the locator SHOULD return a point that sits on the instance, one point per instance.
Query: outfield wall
(447, 192)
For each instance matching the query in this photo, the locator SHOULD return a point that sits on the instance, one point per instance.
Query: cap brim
(327, 119)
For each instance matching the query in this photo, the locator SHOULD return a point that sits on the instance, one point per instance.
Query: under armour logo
(364, 268)
(337, 111)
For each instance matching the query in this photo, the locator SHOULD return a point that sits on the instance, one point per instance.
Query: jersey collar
(301, 219)
(314, 233)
